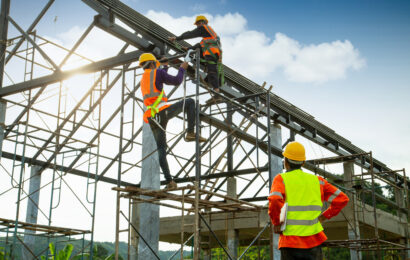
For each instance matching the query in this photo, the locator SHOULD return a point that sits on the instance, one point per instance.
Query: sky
(347, 63)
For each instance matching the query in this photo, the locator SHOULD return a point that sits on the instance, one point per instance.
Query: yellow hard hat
(148, 57)
(295, 151)
(200, 18)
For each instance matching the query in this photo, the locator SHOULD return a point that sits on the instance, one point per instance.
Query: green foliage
(392, 255)
(336, 253)
(367, 197)
(60, 255)
(2, 254)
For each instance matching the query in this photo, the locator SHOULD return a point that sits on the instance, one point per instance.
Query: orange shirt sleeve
(337, 199)
(276, 199)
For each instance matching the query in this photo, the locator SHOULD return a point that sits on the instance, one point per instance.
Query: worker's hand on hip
(184, 65)
(276, 229)
(172, 38)
(322, 218)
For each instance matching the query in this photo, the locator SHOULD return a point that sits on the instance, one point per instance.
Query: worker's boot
(172, 185)
(214, 100)
(191, 137)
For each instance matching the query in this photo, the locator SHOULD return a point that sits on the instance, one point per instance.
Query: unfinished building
(75, 123)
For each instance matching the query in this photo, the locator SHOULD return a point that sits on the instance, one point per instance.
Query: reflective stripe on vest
(304, 200)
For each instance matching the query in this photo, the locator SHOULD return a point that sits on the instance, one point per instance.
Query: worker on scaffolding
(158, 112)
(301, 195)
(211, 52)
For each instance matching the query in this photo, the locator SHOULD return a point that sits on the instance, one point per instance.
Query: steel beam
(62, 168)
(62, 75)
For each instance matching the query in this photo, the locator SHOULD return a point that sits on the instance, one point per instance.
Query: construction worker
(158, 112)
(304, 194)
(210, 50)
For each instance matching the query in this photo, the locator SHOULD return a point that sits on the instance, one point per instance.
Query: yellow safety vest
(304, 203)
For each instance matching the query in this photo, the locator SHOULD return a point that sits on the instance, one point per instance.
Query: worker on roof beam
(211, 51)
(299, 197)
(158, 112)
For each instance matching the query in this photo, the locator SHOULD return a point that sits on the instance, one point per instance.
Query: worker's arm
(197, 32)
(193, 47)
(337, 199)
(168, 79)
(276, 199)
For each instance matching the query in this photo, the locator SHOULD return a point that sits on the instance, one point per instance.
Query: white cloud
(256, 55)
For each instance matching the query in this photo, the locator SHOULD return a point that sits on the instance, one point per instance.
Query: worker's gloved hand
(184, 65)
(184, 48)
(172, 38)
(322, 218)
(276, 229)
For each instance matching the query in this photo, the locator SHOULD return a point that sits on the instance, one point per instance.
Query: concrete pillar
(353, 228)
(233, 234)
(134, 235)
(149, 213)
(276, 168)
(3, 106)
(32, 211)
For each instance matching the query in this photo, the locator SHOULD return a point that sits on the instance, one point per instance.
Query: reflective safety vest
(154, 99)
(210, 45)
(304, 203)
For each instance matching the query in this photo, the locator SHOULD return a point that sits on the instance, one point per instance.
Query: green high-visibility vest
(304, 203)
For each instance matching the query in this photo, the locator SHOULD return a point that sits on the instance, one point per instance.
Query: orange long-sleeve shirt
(337, 199)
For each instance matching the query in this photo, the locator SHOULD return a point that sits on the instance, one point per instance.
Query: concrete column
(134, 235)
(149, 213)
(353, 228)
(3, 106)
(233, 234)
(32, 211)
(276, 168)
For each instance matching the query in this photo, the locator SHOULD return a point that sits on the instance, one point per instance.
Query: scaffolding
(62, 130)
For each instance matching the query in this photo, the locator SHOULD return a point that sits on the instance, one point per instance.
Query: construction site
(70, 124)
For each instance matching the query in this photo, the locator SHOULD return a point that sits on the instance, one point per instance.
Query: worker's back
(304, 203)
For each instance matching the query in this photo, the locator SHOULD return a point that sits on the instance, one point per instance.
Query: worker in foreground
(158, 112)
(210, 50)
(304, 195)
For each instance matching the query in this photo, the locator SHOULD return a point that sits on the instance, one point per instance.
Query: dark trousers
(160, 136)
(212, 69)
(288, 253)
